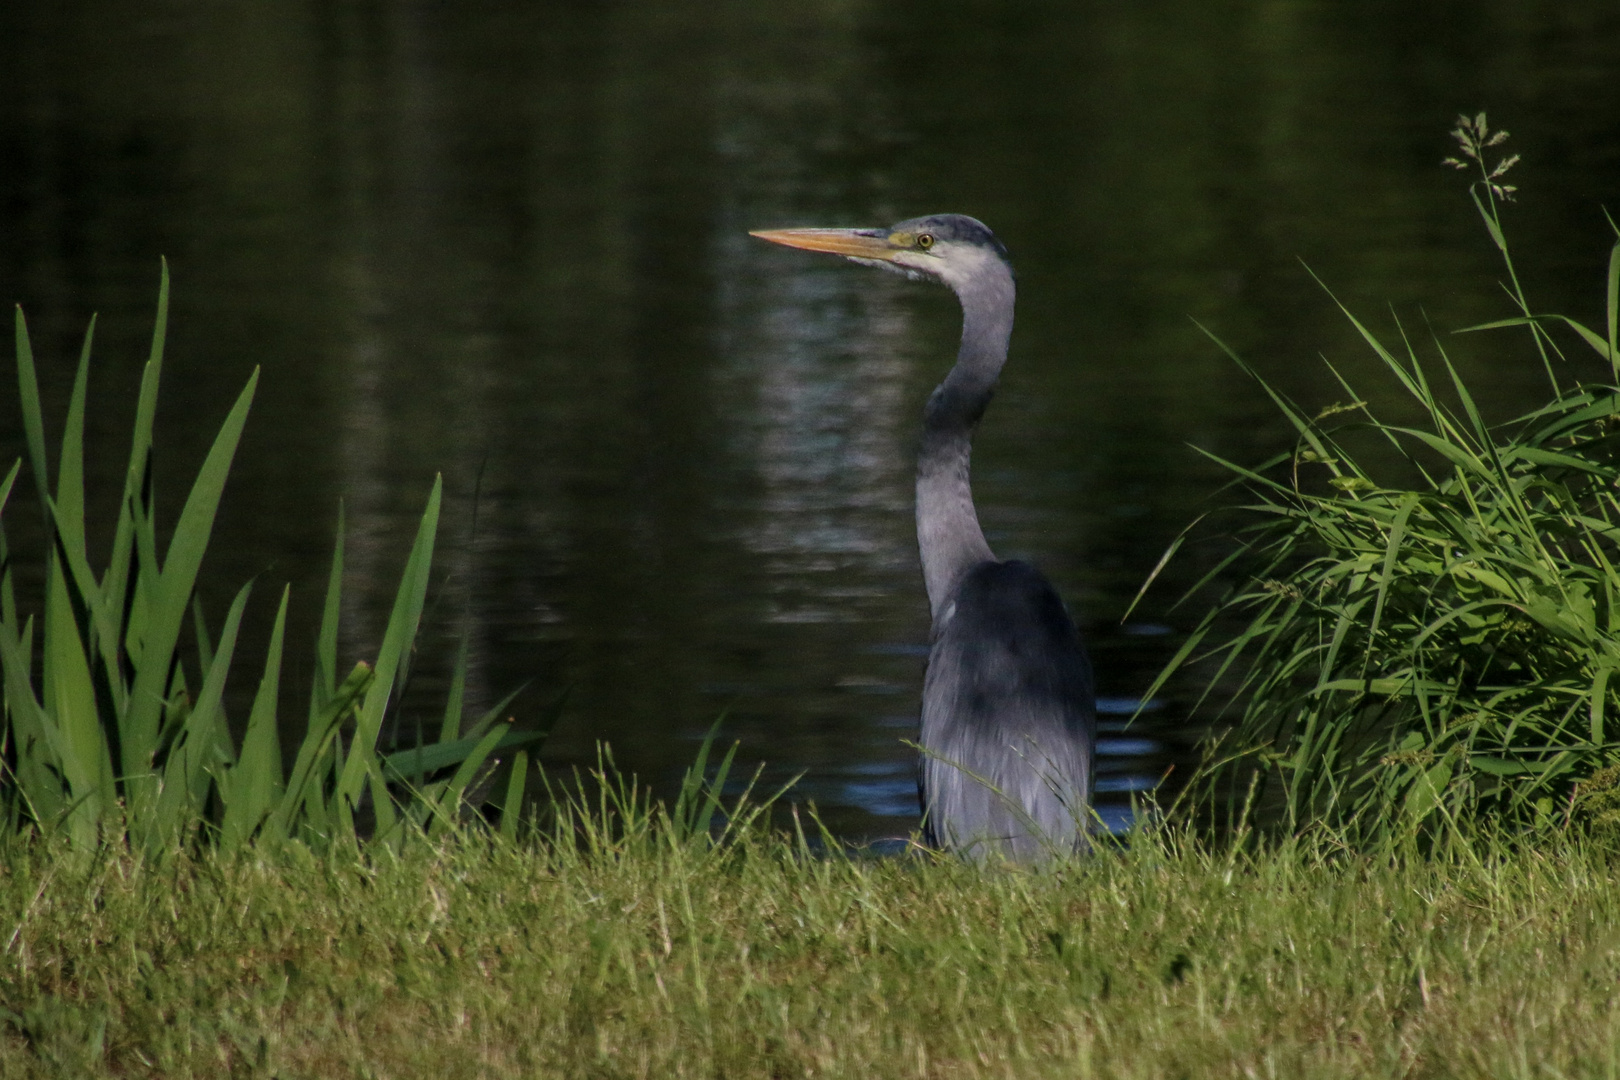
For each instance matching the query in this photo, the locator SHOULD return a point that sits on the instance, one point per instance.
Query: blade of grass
(411, 765)
(8, 598)
(449, 803)
(304, 794)
(68, 507)
(33, 418)
(118, 583)
(70, 712)
(189, 768)
(252, 788)
(1612, 309)
(325, 681)
(512, 803)
(171, 595)
(397, 640)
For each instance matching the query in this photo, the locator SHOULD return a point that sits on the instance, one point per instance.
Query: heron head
(951, 248)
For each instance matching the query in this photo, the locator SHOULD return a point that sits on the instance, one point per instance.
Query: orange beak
(851, 243)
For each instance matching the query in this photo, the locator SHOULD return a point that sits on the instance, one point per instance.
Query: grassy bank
(649, 957)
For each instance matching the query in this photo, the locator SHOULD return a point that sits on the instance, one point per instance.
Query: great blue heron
(1008, 715)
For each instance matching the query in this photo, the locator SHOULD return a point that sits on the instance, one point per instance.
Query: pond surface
(508, 242)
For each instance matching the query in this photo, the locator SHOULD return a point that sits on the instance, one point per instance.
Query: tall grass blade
(692, 815)
(325, 682)
(512, 804)
(253, 786)
(199, 747)
(449, 803)
(68, 519)
(397, 639)
(411, 765)
(70, 719)
(36, 755)
(305, 802)
(171, 595)
(1612, 309)
(8, 598)
(450, 726)
(69, 503)
(136, 503)
(33, 418)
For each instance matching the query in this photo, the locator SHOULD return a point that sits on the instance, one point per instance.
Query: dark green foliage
(106, 737)
(1414, 652)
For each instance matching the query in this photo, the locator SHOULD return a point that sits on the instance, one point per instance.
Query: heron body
(1008, 715)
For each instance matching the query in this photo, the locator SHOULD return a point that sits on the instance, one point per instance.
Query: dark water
(508, 242)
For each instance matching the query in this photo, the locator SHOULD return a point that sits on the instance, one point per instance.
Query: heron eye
(925, 241)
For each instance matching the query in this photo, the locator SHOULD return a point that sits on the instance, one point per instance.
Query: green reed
(114, 729)
(1411, 652)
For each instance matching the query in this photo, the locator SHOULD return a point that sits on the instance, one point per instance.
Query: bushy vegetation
(113, 733)
(1408, 654)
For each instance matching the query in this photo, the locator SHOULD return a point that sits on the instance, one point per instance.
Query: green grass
(1431, 631)
(114, 730)
(628, 950)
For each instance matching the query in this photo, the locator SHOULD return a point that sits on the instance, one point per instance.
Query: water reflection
(507, 242)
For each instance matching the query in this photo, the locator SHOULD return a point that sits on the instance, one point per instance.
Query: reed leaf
(71, 723)
(397, 639)
(112, 745)
(171, 594)
(201, 743)
(251, 787)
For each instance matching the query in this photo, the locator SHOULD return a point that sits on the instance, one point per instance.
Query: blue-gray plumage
(1008, 719)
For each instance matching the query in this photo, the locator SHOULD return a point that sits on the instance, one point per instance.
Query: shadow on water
(507, 241)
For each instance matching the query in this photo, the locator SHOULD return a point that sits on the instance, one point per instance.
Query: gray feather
(1008, 723)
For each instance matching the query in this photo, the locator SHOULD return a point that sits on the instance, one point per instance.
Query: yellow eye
(925, 241)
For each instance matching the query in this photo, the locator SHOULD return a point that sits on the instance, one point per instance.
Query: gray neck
(948, 533)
